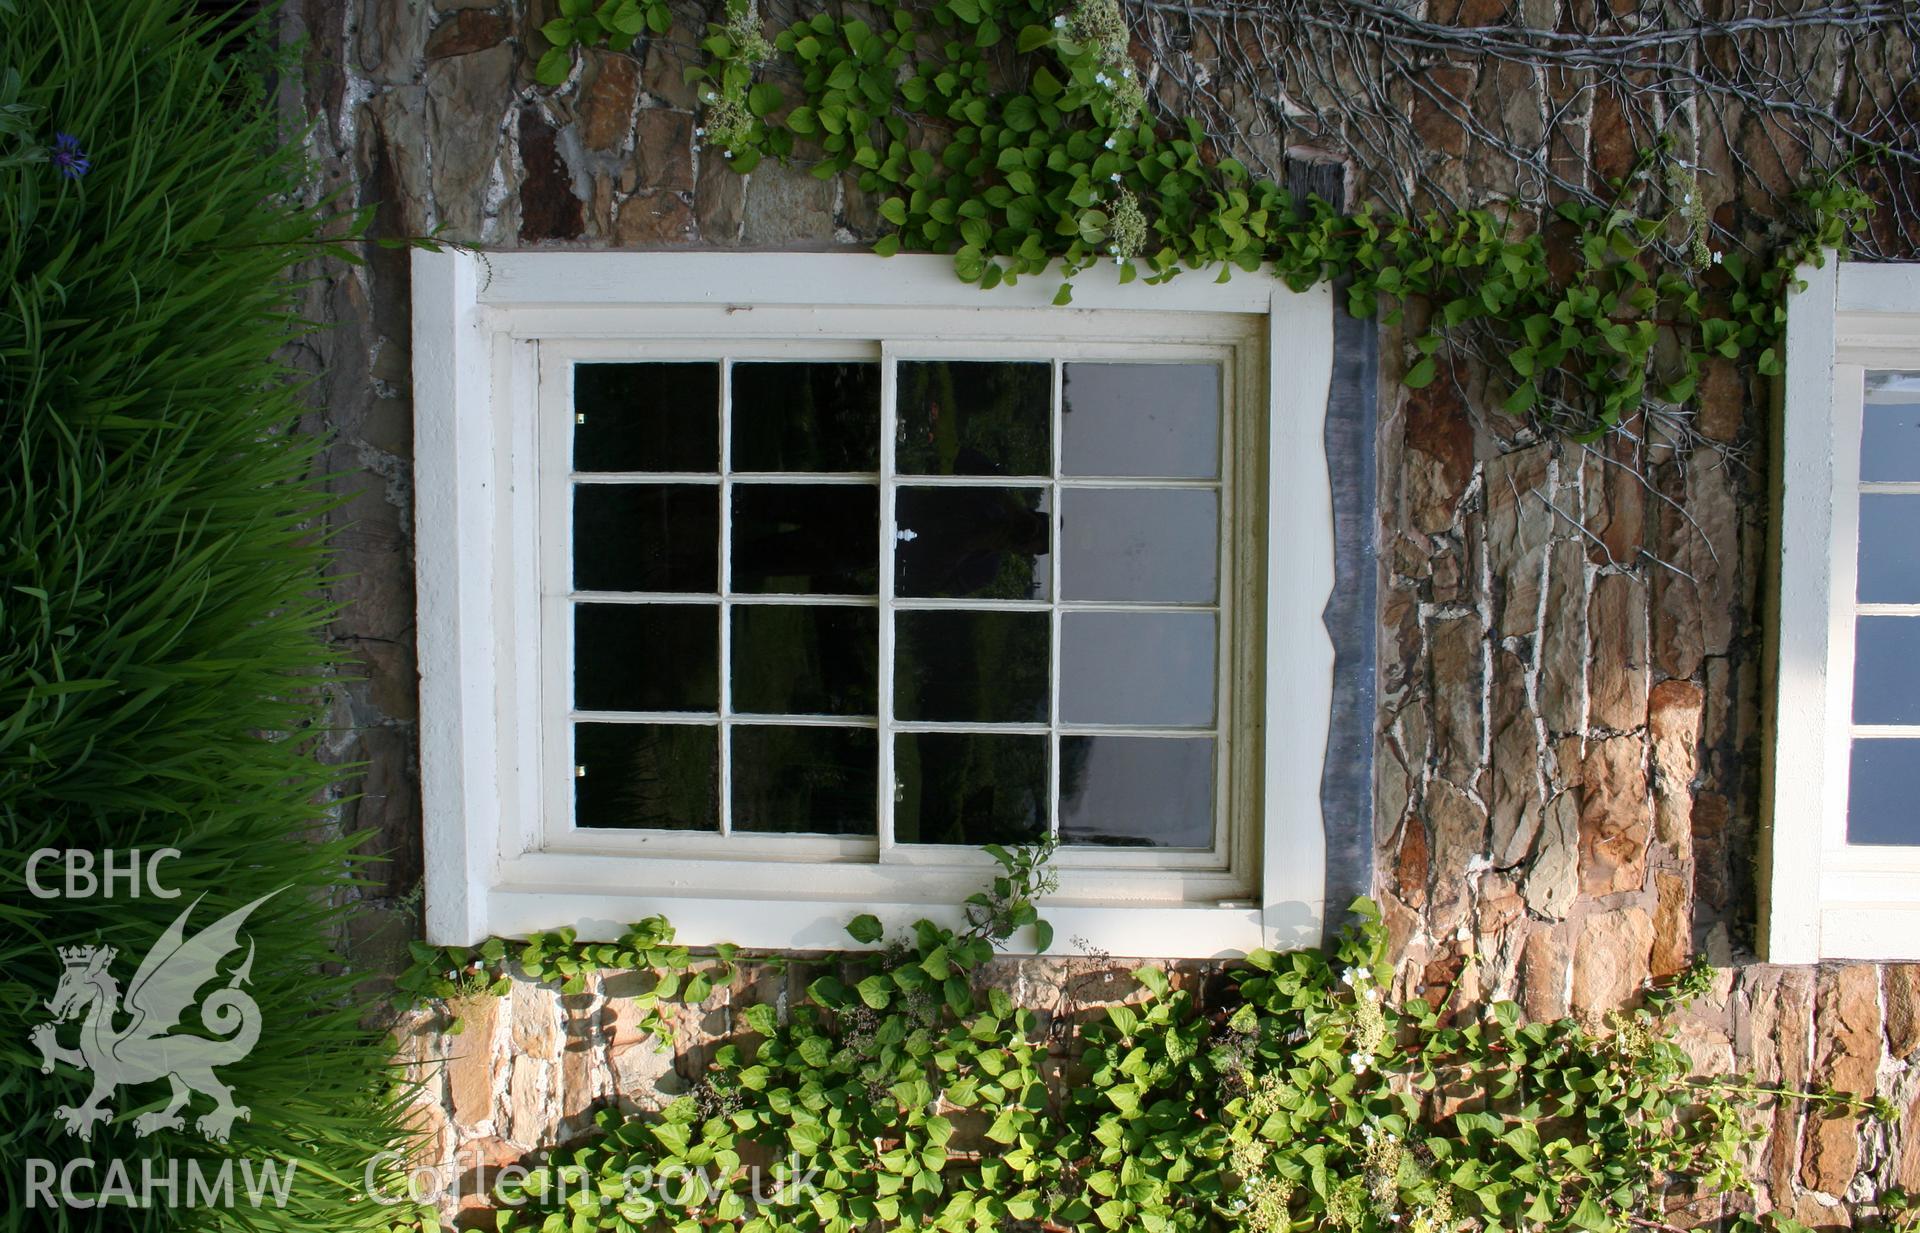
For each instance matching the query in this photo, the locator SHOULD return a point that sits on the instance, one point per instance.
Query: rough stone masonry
(1568, 709)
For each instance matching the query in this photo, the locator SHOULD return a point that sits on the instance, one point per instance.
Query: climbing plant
(907, 1090)
(1015, 136)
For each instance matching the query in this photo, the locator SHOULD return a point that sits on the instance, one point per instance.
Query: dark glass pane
(1886, 670)
(806, 417)
(974, 418)
(646, 537)
(1159, 545)
(971, 667)
(806, 539)
(969, 788)
(1889, 549)
(1890, 427)
(1882, 806)
(958, 543)
(1160, 420)
(1136, 791)
(1149, 668)
(790, 781)
(646, 657)
(789, 660)
(652, 776)
(646, 417)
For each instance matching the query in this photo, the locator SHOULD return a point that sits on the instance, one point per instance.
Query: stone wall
(1568, 711)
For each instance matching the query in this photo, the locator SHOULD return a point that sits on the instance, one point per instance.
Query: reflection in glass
(651, 776)
(646, 537)
(1136, 791)
(806, 417)
(969, 788)
(1882, 806)
(971, 667)
(972, 543)
(806, 539)
(1158, 420)
(1155, 544)
(1890, 427)
(792, 660)
(1886, 670)
(790, 781)
(974, 418)
(1889, 549)
(1147, 668)
(646, 417)
(646, 657)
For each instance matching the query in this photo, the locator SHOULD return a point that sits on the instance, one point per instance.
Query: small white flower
(1360, 1062)
(1373, 995)
(1126, 72)
(1115, 177)
(1716, 259)
(700, 132)
(1110, 143)
(1059, 22)
(1349, 976)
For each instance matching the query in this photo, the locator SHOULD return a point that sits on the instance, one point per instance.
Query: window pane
(646, 537)
(986, 543)
(789, 660)
(1141, 544)
(646, 417)
(969, 788)
(1889, 549)
(805, 780)
(1148, 668)
(646, 657)
(1886, 670)
(1890, 427)
(1134, 791)
(971, 667)
(1160, 420)
(806, 539)
(806, 417)
(653, 776)
(973, 418)
(1882, 806)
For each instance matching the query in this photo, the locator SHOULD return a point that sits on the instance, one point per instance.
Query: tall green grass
(160, 591)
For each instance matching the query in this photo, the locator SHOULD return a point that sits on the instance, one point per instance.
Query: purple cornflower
(69, 157)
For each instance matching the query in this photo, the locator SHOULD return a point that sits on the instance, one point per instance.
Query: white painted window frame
(489, 867)
(1823, 898)
(1223, 871)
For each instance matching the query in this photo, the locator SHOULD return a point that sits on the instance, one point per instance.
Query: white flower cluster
(743, 31)
(1099, 25)
(1126, 227)
(1369, 1019)
(728, 124)
(1683, 198)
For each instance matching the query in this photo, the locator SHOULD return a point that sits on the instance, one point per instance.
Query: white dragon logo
(141, 1050)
